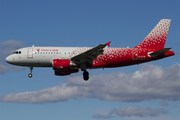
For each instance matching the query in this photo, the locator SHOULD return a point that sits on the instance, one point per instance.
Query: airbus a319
(68, 60)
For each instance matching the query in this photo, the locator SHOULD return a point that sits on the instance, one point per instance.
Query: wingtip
(108, 44)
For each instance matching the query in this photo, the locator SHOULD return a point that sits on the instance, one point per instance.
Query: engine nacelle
(63, 67)
(61, 64)
(65, 72)
(62, 73)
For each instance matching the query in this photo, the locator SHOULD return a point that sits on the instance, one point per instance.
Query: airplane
(68, 60)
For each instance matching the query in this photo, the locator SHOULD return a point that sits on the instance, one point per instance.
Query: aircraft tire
(86, 75)
(30, 75)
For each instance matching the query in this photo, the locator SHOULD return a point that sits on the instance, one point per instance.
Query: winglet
(108, 44)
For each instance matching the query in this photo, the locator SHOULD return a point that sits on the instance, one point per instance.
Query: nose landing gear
(30, 74)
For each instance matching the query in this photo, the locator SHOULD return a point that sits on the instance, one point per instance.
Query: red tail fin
(157, 37)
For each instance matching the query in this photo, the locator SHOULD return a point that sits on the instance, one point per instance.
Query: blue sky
(116, 93)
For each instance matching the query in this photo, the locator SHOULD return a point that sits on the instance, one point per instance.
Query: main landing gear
(30, 74)
(86, 75)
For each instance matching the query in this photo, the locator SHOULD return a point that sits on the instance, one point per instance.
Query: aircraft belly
(119, 61)
(35, 62)
(42, 61)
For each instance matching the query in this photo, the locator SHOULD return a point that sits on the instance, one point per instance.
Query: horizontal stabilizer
(159, 52)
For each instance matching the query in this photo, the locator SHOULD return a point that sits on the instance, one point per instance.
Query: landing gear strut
(30, 74)
(86, 75)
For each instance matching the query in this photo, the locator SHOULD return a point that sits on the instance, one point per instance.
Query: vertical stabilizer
(157, 37)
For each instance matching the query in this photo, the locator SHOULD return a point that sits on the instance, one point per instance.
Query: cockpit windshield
(17, 52)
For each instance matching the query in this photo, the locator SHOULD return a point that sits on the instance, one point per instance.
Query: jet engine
(63, 67)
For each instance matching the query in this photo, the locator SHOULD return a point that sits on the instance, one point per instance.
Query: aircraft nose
(9, 59)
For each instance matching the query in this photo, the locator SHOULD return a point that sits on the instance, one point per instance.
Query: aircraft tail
(157, 37)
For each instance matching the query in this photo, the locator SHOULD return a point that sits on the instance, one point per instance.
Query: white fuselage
(42, 56)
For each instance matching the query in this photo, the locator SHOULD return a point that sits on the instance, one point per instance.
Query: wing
(89, 55)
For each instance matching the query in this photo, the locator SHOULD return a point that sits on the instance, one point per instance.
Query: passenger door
(30, 53)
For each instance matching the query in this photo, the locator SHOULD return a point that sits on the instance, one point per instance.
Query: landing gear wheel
(30, 75)
(86, 75)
